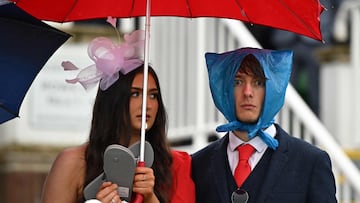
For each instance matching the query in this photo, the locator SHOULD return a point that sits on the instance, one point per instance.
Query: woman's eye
(135, 94)
(153, 95)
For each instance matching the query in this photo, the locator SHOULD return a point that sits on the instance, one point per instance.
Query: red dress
(183, 185)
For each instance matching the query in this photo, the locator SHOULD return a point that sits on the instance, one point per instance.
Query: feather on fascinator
(222, 69)
(109, 58)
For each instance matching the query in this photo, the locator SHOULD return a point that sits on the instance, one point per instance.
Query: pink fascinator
(109, 58)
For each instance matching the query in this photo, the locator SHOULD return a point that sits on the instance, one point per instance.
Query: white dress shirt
(259, 145)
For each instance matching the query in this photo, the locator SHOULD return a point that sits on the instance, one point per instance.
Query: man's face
(249, 94)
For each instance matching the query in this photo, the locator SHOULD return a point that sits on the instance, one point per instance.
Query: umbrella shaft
(145, 81)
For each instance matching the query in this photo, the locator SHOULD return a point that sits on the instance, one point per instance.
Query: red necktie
(243, 168)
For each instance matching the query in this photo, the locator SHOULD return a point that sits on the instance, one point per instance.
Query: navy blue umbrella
(26, 44)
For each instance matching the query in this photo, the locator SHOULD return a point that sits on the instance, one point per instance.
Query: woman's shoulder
(71, 158)
(181, 160)
(75, 153)
(66, 176)
(180, 156)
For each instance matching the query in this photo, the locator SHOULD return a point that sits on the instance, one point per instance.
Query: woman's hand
(144, 182)
(108, 193)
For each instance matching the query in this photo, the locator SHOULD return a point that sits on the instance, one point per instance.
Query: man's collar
(256, 142)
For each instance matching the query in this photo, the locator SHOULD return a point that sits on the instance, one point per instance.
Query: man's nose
(248, 89)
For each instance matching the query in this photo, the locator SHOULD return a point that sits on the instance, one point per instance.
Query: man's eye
(238, 82)
(259, 83)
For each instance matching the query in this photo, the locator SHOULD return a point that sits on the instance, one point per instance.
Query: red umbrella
(301, 18)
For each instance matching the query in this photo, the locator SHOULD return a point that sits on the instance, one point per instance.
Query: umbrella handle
(138, 197)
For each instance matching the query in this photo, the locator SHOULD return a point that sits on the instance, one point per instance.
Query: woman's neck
(135, 137)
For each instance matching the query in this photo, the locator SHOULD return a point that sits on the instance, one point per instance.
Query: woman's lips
(147, 117)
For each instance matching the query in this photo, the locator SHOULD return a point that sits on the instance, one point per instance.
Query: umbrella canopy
(25, 46)
(302, 18)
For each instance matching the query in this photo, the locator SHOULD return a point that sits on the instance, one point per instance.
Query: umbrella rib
(243, 13)
(188, 8)
(299, 19)
(132, 7)
(70, 10)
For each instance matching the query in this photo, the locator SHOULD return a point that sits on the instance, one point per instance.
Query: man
(248, 86)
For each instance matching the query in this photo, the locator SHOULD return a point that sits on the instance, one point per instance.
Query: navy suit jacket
(296, 172)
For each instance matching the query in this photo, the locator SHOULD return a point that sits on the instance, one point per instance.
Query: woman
(117, 120)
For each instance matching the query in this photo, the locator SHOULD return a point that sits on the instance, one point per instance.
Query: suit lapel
(277, 163)
(221, 170)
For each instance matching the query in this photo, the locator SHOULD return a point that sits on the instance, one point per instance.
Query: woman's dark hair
(111, 125)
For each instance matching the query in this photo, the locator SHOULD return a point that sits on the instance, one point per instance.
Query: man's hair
(251, 66)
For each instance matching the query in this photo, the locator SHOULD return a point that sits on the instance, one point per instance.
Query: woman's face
(152, 104)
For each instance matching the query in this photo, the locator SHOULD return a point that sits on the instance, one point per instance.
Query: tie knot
(245, 151)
